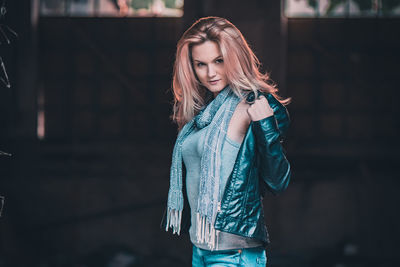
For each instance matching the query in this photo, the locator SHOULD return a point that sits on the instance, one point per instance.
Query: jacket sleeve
(273, 167)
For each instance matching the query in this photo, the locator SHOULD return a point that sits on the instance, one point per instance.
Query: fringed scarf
(217, 115)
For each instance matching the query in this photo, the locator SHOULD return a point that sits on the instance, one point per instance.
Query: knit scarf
(216, 115)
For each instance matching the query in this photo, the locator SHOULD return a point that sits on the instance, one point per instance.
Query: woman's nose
(211, 71)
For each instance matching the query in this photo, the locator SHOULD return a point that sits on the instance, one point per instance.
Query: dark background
(95, 187)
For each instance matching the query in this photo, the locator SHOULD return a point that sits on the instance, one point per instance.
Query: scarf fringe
(174, 218)
(206, 233)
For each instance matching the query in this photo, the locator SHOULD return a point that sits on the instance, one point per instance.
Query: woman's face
(209, 66)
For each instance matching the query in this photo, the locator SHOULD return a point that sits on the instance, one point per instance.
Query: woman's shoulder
(240, 121)
(241, 109)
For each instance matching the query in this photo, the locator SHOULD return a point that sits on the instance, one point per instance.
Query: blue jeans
(229, 258)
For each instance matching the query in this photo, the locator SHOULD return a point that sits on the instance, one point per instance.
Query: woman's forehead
(206, 52)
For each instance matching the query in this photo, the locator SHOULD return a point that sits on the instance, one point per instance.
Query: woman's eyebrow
(212, 60)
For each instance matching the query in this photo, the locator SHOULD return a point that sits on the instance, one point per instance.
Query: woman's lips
(214, 82)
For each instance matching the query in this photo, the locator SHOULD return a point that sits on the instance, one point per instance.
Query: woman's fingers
(260, 109)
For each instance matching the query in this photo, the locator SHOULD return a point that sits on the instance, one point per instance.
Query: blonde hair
(240, 63)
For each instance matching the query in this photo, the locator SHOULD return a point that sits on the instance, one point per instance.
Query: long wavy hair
(242, 67)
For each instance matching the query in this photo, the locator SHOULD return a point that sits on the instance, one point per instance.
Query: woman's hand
(260, 109)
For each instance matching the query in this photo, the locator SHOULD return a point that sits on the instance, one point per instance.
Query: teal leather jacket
(260, 165)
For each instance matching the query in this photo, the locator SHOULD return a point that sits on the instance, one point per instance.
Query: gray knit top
(192, 149)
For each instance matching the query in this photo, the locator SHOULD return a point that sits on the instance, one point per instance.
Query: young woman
(228, 149)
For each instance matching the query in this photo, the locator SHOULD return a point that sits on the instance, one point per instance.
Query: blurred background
(85, 102)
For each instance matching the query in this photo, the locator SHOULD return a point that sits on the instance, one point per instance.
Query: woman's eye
(199, 64)
(219, 60)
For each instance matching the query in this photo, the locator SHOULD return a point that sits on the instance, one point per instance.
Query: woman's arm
(273, 166)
